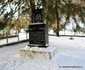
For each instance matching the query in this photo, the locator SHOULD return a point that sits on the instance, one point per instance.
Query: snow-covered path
(69, 53)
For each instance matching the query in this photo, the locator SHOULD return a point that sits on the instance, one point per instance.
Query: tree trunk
(58, 20)
(19, 8)
(32, 6)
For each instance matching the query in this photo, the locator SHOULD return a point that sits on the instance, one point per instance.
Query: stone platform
(36, 52)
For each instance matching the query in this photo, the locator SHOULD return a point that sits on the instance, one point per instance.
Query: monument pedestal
(37, 52)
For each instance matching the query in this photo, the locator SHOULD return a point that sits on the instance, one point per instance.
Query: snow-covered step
(36, 52)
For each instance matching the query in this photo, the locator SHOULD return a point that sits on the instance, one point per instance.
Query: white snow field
(70, 56)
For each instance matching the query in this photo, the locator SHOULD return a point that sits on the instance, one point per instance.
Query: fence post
(7, 37)
(18, 35)
(26, 35)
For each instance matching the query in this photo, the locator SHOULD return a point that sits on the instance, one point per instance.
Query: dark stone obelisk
(38, 31)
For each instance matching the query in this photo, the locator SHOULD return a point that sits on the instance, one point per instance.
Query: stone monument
(38, 35)
(38, 39)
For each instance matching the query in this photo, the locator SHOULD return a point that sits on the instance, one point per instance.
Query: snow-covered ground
(70, 56)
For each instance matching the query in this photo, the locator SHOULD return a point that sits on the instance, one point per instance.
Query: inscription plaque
(38, 34)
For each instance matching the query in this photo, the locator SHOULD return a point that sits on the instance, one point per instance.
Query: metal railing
(22, 36)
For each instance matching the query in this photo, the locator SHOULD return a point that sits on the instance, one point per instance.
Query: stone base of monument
(36, 52)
